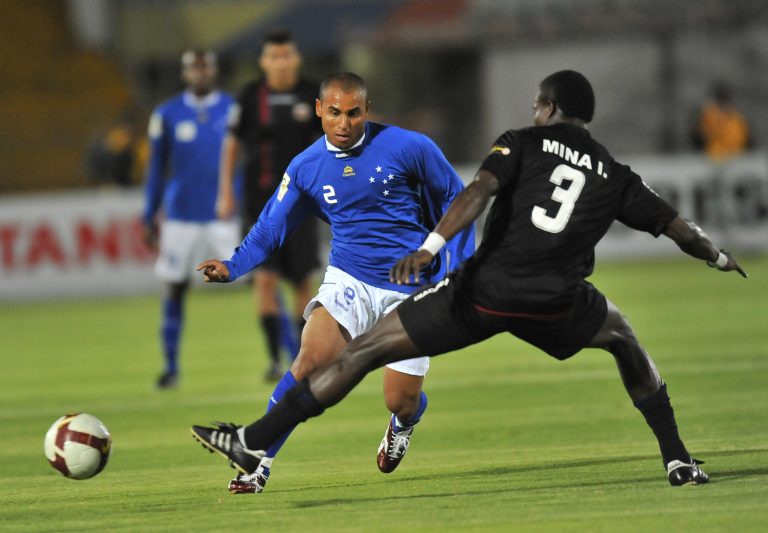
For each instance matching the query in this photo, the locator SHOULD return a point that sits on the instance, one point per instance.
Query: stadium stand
(54, 95)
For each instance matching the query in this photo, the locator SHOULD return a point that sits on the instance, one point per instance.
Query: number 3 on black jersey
(566, 197)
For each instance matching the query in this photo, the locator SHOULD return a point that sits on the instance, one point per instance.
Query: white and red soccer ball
(78, 445)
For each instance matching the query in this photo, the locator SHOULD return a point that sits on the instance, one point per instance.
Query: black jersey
(560, 190)
(273, 127)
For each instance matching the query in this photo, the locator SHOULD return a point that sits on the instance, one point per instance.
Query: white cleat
(252, 483)
(393, 447)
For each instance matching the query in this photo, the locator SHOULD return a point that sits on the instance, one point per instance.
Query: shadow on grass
(726, 476)
(721, 476)
(733, 475)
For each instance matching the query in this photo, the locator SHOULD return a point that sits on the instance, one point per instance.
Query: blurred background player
(380, 188)
(185, 135)
(721, 130)
(272, 122)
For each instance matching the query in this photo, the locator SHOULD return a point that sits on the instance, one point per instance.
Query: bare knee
(638, 372)
(402, 403)
(622, 337)
(310, 358)
(321, 341)
(303, 365)
(615, 333)
(402, 393)
(312, 355)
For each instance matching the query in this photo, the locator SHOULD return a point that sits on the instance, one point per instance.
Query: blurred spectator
(720, 129)
(113, 157)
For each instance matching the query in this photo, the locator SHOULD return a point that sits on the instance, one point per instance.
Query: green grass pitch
(512, 440)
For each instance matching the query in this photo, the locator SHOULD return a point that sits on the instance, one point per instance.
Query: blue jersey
(381, 199)
(186, 134)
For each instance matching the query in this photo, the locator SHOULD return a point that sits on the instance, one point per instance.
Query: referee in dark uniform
(557, 192)
(273, 121)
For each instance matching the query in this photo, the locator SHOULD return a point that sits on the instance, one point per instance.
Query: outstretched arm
(465, 208)
(691, 239)
(644, 210)
(283, 213)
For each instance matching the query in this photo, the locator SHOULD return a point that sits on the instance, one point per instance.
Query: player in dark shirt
(557, 192)
(273, 121)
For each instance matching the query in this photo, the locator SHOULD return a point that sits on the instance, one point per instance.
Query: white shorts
(357, 306)
(184, 245)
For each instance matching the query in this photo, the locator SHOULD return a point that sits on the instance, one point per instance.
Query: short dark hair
(277, 36)
(571, 92)
(189, 57)
(349, 82)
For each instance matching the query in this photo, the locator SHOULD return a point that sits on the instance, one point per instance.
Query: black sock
(660, 417)
(297, 405)
(271, 325)
(300, 323)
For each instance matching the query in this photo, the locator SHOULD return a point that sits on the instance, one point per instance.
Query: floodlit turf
(512, 440)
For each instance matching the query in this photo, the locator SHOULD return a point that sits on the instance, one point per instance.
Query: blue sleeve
(156, 165)
(283, 213)
(441, 185)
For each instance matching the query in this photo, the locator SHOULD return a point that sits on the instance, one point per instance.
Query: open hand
(408, 266)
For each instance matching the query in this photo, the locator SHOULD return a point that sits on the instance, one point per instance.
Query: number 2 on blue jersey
(330, 194)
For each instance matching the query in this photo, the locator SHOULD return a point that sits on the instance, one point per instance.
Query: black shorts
(297, 258)
(441, 319)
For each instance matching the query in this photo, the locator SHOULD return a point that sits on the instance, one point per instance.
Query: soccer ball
(78, 445)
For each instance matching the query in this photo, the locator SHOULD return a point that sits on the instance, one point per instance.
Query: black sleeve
(310, 94)
(503, 160)
(641, 208)
(237, 121)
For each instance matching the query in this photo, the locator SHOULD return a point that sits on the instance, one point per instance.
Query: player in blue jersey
(186, 133)
(382, 189)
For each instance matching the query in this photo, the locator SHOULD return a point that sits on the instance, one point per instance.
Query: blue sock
(170, 331)
(405, 424)
(288, 337)
(282, 387)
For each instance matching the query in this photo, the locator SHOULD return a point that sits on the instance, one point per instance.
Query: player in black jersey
(557, 192)
(273, 121)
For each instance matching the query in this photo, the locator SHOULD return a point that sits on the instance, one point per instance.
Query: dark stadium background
(81, 72)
